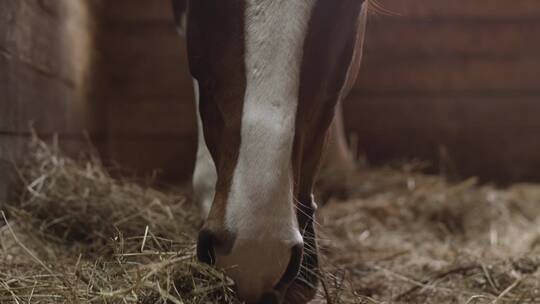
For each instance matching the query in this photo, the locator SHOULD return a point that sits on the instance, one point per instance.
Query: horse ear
(180, 15)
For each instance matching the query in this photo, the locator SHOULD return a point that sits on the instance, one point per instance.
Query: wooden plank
(40, 71)
(396, 39)
(41, 51)
(395, 127)
(155, 118)
(11, 147)
(151, 116)
(432, 111)
(49, 103)
(10, 151)
(138, 11)
(8, 180)
(456, 74)
(54, 38)
(6, 115)
(173, 157)
(147, 63)
(505, 155)
(491, 136)
(470, 9)
(34, 39)
(7, 19)
(459, 74)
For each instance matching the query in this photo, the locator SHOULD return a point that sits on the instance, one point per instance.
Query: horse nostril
(205, 247)
(293, 268)
(210, 242)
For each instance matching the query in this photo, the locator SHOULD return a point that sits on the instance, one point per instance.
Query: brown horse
(268, 75)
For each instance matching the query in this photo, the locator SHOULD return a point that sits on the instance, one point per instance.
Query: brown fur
(216, 33)
(331, 59)
(329, 52)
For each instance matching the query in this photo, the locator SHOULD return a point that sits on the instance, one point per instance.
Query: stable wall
(148, 90)
(46, 55)
(453, 82)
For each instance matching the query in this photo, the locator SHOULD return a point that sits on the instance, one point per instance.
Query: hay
(410, 238)
(78, 235)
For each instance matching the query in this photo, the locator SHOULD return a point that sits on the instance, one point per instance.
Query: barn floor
(77, 235)
(405, 237)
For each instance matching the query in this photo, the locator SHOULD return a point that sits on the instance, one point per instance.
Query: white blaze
(260, 207)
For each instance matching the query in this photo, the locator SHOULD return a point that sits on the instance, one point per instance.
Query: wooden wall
(453, 82)
(46, 54)
(441, 79)
(461, 77)
(149, 96)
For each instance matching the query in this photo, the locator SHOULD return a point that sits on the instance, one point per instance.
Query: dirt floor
(77, 235)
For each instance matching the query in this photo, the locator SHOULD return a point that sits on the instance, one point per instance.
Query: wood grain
(45, 59)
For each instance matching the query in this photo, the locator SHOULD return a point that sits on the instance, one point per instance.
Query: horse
(268, 75)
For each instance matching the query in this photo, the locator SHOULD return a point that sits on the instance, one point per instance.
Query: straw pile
(405, 237)
(77, 235)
